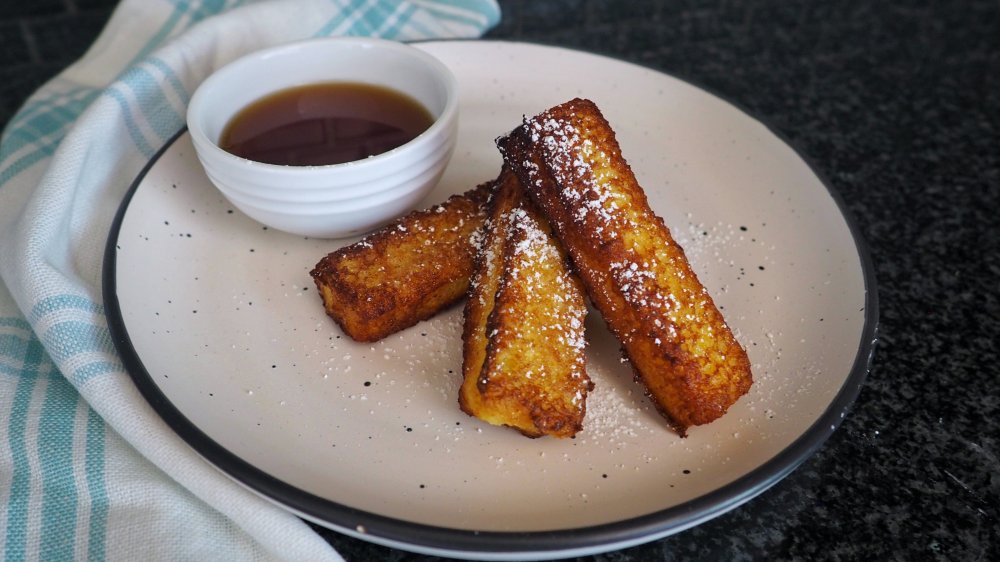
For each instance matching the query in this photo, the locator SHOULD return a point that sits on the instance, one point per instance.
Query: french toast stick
(636, 275)
(523, 341)
(406, 271)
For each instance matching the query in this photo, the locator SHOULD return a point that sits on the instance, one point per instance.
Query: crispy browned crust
(404, 272)
(634, 272)
(523, 344)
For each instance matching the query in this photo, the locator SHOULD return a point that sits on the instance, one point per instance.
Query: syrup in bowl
(324, 123)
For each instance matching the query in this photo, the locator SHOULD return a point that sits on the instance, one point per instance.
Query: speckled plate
(223, 331)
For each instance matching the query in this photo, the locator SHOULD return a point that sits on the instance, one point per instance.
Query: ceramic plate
(223, 331)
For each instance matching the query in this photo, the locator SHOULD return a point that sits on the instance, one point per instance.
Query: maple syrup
(325, 123)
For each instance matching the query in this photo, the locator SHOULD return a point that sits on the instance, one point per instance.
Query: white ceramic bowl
(342, 199)
(389, 179)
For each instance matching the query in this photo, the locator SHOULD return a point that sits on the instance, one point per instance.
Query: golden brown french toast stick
(634, 272)
(523, 341)
(404, 272)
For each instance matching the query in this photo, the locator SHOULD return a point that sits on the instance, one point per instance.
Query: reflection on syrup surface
(326, 123)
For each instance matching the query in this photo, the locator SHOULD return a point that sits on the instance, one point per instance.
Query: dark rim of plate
(543, 544)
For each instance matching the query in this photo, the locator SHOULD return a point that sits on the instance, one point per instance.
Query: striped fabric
(87, 470)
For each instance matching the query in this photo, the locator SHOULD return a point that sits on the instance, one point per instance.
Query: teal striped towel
(87, 469)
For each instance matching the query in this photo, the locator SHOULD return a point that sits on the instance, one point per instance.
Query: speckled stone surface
(897, 104)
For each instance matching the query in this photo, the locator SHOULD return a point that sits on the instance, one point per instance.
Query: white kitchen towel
(87, 469)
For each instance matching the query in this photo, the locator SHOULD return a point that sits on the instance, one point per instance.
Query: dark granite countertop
(897, 104)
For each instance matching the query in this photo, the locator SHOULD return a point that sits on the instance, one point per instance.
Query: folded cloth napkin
(87, 469)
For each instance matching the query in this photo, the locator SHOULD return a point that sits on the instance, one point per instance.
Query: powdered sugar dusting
(613, 417)
(582, 172)
(534, 246)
